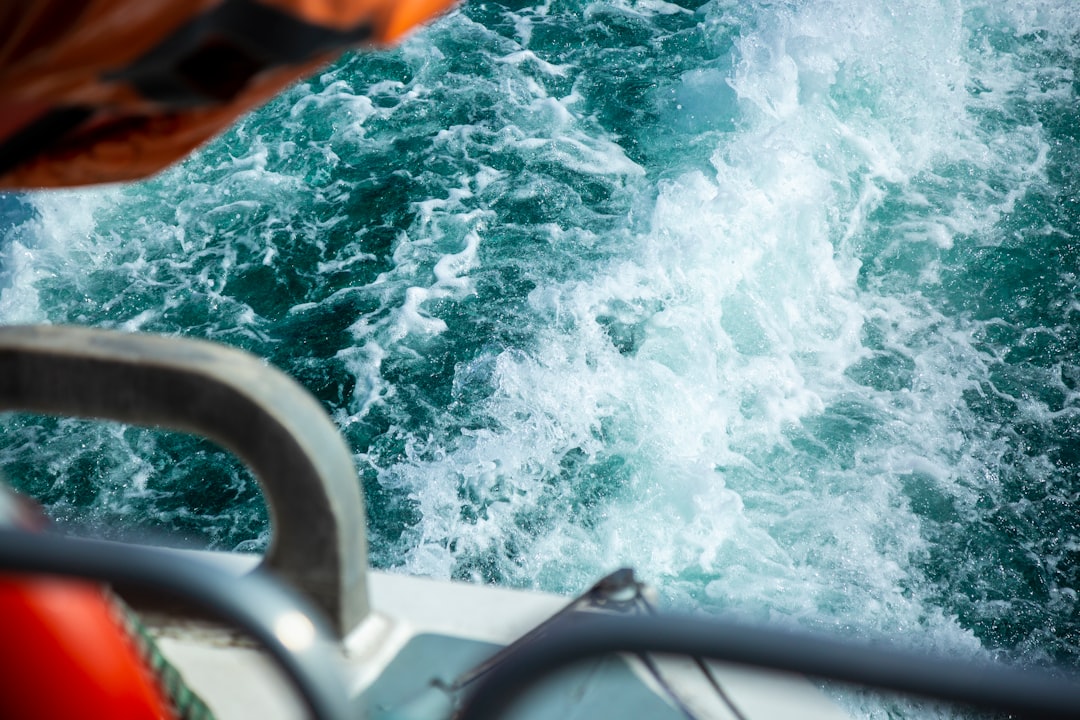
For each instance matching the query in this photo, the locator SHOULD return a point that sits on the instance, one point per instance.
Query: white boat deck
(237, 681)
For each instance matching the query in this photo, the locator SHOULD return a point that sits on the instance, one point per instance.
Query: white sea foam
(742, 313)
(729, 385)
(19, 301)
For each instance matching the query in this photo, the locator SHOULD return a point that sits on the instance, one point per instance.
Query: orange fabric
(70, 657)
(407, 14)
(70, 45)
(16, 115)
(131, 146)
(391, 18)
(339, 14)
(62, 54)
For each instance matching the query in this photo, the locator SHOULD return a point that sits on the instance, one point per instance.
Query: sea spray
(776, 302)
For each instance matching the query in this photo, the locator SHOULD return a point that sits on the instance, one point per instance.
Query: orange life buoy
(67, 655)
(108, 90)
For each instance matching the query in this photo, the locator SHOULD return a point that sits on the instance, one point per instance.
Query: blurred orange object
(95, 91)
(71, 656)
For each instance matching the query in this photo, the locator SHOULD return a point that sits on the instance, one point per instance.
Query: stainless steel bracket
(268, 420)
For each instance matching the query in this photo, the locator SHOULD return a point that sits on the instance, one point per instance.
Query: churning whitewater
(777, 302)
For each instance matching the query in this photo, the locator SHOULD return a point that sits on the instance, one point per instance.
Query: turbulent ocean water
(777, 302)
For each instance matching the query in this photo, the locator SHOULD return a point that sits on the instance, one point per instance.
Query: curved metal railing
(996, 687)
(306, 472)
(319, 545)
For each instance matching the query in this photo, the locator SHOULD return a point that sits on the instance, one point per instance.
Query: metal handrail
(285, 624)
(276, 427)
(1024, 692)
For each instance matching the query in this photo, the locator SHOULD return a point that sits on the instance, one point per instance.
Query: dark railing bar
(1024, 692)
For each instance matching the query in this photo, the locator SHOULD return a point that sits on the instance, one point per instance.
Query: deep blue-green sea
(776, 301)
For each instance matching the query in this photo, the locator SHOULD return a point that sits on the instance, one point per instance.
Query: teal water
(778, 302)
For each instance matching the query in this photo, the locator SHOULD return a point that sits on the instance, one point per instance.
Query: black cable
(1026, 693)
(253, 603)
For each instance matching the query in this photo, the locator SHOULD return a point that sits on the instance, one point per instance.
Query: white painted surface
(237, 681)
